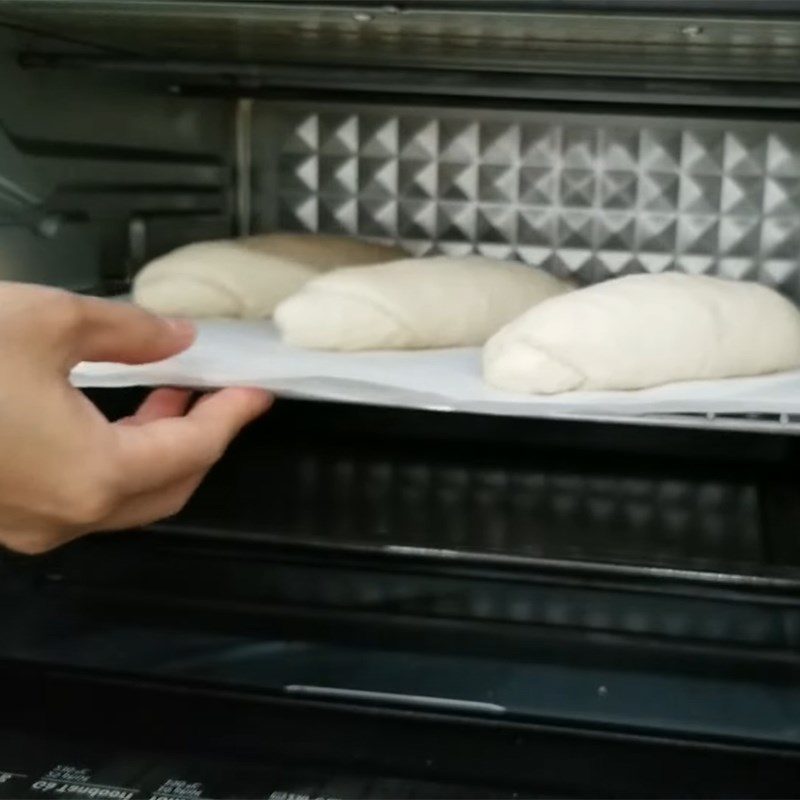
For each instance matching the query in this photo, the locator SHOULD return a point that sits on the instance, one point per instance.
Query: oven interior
(376, 602)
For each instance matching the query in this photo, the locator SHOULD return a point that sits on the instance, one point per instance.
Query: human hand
(64, 469)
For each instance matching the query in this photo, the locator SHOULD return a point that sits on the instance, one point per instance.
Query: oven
(367, 599)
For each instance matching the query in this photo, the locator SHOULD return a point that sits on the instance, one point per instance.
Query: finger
(34, 543)
(160, 404)
(161, 452)
(113, 331)
(224, 413)
(149, 507)
(139, 510)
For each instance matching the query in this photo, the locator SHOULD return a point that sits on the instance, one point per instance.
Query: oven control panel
(45, 770)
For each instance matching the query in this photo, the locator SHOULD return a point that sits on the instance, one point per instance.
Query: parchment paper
(230, 353)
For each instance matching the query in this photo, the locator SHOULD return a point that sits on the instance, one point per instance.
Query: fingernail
(183, 327)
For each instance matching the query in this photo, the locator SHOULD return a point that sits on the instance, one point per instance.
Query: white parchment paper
(240, 353)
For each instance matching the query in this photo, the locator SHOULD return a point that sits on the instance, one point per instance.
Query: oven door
(349, 609)
(126, 700)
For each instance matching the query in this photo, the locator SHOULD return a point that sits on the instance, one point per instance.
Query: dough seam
(209, 284)
(380, 304)
(561, 361)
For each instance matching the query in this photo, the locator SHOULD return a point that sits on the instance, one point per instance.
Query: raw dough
(322, 251)
(645, 330)
(438, 301)
(245, 277)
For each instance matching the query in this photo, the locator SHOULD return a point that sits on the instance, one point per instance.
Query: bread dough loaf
(247, 277)
(321, 250)
(415, 303)
(645, 330)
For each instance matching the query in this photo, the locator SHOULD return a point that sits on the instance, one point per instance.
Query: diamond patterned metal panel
(589, 196)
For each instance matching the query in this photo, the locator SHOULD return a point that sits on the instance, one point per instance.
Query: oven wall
(588, 194)
(97, 172)
(102, 170)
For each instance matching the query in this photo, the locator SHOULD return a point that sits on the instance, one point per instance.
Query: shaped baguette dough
(415, 303)
(645, 330)
(247, 277)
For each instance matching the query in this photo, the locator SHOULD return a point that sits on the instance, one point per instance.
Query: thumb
(112, 331)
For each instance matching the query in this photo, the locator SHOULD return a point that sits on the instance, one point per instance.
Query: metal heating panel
(594, 196)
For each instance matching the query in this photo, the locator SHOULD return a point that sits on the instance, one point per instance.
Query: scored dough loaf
(247, 277)
(645, 330)
(438, 301)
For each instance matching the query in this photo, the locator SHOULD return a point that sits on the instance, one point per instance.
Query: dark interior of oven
(375, 602)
